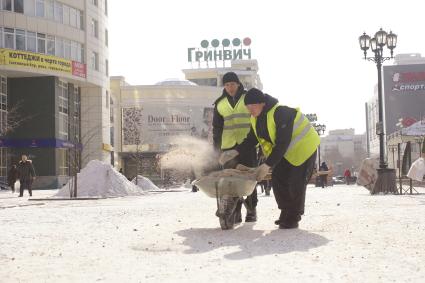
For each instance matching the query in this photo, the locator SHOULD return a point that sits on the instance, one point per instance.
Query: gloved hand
(241, 167)
(261, 172)
(227, 155)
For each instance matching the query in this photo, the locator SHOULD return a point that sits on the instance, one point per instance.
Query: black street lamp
(320, 129)
(386, 177)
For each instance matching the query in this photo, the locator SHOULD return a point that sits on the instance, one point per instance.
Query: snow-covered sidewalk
(346, 236)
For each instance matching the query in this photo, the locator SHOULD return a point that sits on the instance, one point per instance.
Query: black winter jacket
(26, 170)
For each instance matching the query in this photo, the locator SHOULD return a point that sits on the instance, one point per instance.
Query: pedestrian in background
(26, 175)
(347, 176)
(324, 177)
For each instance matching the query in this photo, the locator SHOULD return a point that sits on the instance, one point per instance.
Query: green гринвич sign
(214, 51)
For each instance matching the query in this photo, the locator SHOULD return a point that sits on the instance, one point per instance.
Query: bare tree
(14, 119)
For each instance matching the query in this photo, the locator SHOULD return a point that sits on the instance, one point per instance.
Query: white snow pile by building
(144, 183)
(100, 179)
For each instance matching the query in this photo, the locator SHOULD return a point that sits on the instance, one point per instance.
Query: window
(19, 6)
(39, 8)
(9, 38)
(67, 49)
(7, 5)
(107, 99)
(107, 67)
(51, 45)
(106, 37)
(20, 39)
(79, 52)
(74, 47)
(63, 161)
(94, 28)
(94, 61)
(31, 41)
(63, 110)
(65, 15)
(50, 9)
(1, 37)
(94, 2)
(59, 47)
(106, 7)
(29, 7)
(73, 17)
(41, 43)
(79, 19)
(82, 54)
(58, 12)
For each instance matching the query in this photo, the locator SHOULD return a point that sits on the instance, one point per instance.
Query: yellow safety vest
(236, 122)
(304, 140)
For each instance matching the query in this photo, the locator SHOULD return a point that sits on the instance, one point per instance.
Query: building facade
(54, 75)
(343, 149)
(149, 119)
(247, 71)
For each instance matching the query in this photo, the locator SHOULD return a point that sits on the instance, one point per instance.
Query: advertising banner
(404, 90)
(41, 62)
(154, 126)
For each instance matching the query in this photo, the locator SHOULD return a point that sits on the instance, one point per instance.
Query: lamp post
(386, 177)
(320, 129)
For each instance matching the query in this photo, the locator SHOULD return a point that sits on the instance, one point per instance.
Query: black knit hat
(254, 96)
(230, 77)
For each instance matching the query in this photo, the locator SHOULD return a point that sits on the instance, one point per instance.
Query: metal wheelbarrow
(228, 191)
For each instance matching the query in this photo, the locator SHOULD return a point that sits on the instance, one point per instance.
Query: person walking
(347, 176)
(323, 176)
(26, 175)
(12, 176)
(231, 124)
(290, 144)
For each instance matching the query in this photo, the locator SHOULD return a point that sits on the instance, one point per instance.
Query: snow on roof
(175, 81)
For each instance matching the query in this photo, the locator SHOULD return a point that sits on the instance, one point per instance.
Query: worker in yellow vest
(231, 125)
(290, 143)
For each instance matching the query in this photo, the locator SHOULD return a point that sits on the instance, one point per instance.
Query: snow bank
(100, 179)
(144, 183)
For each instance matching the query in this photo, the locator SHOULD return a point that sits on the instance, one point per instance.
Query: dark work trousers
(290, 184)
(25, 184)
(249, 158)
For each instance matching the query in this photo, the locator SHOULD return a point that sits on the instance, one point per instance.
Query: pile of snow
(144, 183)
(100, 179)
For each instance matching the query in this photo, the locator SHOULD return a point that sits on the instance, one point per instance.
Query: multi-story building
(247, 71)
(54, 85)
(343, 149)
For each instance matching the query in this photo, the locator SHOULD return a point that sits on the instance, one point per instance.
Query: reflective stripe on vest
(236, 122)
(304, 140)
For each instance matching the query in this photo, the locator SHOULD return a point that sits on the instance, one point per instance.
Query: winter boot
(290, 221)
(281, 217)
(251, 215)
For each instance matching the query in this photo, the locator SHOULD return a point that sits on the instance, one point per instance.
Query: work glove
(261, 172)
(227, 155)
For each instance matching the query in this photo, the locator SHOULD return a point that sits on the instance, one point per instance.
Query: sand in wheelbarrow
(233, 173)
